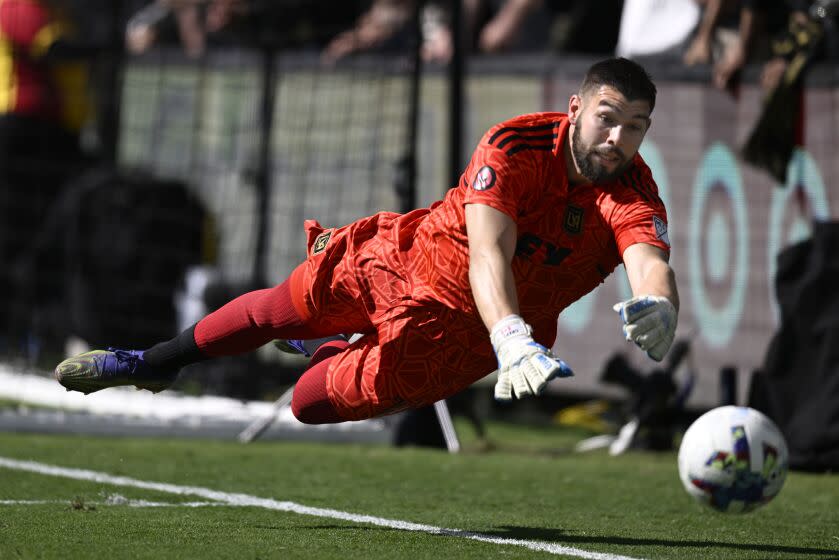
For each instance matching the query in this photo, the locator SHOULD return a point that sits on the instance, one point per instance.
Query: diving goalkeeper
(547, 208)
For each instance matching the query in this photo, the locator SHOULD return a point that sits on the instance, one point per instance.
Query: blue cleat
(305, 347)
(292, 346)
(100, 369)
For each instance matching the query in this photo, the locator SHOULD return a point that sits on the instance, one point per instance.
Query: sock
(310, 403)
(175, 353)
(249, 321)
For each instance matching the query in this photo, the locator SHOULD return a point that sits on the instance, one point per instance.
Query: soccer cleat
(100, 369)
(292, 346)
(305, 347)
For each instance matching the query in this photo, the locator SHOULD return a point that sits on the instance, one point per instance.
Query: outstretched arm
(650, 316)
(524, 366)
(492, 242)
(649, 272)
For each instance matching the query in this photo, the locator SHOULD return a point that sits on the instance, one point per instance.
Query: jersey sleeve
(638, 214)
(503, 180)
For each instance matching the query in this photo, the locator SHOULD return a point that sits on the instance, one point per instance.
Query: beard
(591, 169)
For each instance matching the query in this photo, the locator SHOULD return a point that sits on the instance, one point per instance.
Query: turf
(629, 505)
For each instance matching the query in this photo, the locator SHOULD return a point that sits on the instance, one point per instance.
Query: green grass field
(632, 505)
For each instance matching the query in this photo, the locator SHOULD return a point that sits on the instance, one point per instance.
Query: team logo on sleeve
(661, 230)
(573, 222)
(320, 242)
(484, 178)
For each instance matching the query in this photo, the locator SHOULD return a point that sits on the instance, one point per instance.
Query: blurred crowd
(49, 43)
(724, 35)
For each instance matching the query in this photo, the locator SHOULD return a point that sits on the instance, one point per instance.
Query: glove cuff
(511, 326)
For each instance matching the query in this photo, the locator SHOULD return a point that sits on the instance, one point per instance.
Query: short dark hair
(624, 75)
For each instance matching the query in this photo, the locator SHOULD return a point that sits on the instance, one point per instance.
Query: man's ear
(575, 106)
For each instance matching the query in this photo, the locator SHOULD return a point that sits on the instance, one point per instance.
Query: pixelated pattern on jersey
(637, 209)
(414, 352)
(417, 357)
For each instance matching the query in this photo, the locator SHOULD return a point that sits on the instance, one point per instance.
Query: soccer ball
(733, 459)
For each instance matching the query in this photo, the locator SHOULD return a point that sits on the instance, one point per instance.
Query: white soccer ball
(733, 459)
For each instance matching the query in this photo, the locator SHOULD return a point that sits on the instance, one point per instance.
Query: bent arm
(699, 51)
(492, 243)
(649, 272)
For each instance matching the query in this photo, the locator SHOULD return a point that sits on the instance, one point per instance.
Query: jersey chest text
(563, 234)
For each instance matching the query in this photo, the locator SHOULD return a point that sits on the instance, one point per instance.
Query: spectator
(802, 30)
(506, 26)
(716, 30)
(586, 27)
(652, 27)
(757, 22)
(490, 27)
(195, 24)
(495, 26)
(374, 29)
(780, 128)
(44, 104)
(192, 24)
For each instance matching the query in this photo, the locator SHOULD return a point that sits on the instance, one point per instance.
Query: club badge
(573, 220)
(484, 178)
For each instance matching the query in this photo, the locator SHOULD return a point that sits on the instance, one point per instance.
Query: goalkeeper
(547, 208)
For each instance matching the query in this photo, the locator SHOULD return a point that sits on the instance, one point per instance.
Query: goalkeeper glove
(649, 322)
(524, 366)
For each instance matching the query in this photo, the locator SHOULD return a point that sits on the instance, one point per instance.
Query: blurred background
(159, 158)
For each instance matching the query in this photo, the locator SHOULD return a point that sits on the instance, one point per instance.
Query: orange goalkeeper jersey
(403, 280)
(569, 238)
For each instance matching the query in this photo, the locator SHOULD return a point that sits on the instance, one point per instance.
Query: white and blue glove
(649, 322)
(524, 365)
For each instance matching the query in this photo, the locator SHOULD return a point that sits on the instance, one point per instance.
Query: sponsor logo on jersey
(320, 242)
(661, 230)
(573, 220)
(539, 251)
(484, 178)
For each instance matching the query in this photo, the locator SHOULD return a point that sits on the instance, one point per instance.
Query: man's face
(608, 130)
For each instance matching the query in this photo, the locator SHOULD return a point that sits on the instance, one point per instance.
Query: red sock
(249, 321)
(310, 403)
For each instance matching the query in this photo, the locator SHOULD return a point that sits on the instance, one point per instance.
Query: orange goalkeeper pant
(413, 352)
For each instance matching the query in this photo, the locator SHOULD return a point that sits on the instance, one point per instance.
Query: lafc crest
(320, 242)
(573, 222)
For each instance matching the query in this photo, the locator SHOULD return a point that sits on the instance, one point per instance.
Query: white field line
(109, 502)
(235, 499)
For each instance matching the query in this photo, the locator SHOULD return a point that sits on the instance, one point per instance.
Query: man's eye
(606, 120)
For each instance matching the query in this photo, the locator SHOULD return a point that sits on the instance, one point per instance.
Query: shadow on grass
(560, 537)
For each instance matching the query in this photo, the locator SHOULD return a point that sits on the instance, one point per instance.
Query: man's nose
(615, 134)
